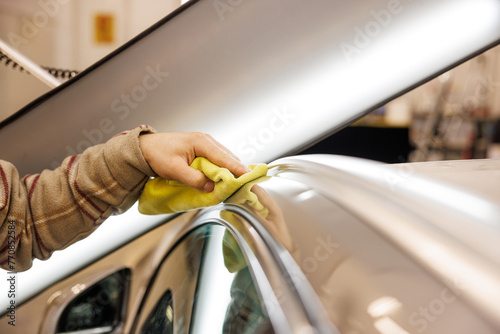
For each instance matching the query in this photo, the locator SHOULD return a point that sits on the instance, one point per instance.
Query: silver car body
(267, 78)
(419, 255)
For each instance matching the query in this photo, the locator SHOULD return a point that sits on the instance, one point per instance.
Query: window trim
(295, 304)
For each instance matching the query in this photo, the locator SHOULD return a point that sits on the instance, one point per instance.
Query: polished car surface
(327, 243)
(301, 256)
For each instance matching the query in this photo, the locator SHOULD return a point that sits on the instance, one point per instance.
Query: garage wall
(70, 34)
(37, 42)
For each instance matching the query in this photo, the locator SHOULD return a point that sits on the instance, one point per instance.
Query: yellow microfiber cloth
(167, 196)
(233, 257)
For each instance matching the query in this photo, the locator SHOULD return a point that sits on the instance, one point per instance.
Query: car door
(195, 290)
(225, 275)
(216, 271)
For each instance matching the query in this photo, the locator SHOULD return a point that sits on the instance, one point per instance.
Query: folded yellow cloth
(167, 196)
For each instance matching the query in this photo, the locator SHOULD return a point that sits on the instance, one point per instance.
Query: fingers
(220, 155)
(191, 177)
(222, 147)
(170, 154)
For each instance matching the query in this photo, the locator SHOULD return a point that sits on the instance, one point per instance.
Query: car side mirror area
(98, 309)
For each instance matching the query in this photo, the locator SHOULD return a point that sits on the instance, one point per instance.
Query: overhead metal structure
(266, 78)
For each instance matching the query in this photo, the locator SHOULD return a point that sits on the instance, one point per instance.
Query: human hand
(169, 154)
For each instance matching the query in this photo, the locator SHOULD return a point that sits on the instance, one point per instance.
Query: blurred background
(455, 116)
(67, 34)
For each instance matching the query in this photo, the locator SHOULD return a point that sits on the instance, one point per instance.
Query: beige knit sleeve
(49, 211)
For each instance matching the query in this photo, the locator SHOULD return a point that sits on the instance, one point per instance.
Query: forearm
(54, 209)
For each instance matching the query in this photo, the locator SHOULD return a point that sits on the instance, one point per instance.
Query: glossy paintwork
(368, 279)
(379, 264)
(381, 247)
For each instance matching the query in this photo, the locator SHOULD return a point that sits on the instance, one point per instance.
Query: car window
(228, 300)
(205, 285)
(99, 308)
(160, 320)
(174, 283)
